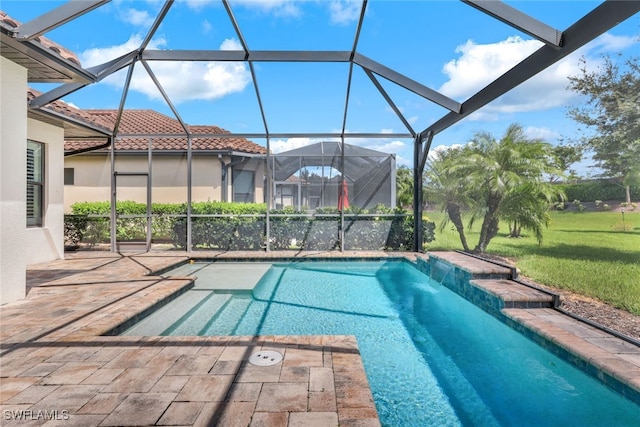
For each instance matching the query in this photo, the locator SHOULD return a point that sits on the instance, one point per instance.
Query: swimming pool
(431, 357)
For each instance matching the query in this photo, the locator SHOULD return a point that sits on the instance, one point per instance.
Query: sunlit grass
(587, 253)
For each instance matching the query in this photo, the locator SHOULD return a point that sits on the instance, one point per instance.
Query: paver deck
(58, 369)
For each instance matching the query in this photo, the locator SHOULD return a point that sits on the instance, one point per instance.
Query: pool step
(228, 318)
(158, 321)
(201, 314)
(468, 266)
(511, 294)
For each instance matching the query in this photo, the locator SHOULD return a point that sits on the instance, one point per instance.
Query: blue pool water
(431, 357)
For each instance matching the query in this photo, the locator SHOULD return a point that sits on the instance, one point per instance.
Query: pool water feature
(431, 357)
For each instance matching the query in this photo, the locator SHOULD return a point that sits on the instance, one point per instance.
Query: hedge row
(244, 226)
(591, 191)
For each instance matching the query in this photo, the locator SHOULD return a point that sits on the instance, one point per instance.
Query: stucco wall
(46, 243)
(169, 179)
(13, 158)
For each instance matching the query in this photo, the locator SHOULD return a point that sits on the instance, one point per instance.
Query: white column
(13, 180)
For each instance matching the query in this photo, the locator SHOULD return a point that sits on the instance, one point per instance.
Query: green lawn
(587, 253)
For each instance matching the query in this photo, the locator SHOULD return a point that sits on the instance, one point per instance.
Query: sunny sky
(445, 45)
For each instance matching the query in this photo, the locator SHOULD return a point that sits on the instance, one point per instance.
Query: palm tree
(527, 206)
(404, 186)
(496, 180)
(508, 181)
(444, 175)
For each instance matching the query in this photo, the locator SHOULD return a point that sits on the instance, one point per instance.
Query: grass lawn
(584, 252)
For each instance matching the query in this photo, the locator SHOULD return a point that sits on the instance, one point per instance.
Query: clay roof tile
(48, 43)
(149, 122)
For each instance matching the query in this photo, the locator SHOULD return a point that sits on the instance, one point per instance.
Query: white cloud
(386, 145)
(544, 134)
(70, 104)
(434, 152)
(182, 81)
(280, 145)
(478, 65)
(95, 56)
(344, 12)
(611, 43)
(230, 44)
(206, 27)
(196, 4)
(277, 7)
(139, 18)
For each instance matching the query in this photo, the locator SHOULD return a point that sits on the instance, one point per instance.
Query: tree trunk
(490, 224)
(627, 189)
(514, 230)
(453, 210)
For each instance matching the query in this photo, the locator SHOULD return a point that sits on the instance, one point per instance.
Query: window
(35, 183)
(69, 177)
(243, 188)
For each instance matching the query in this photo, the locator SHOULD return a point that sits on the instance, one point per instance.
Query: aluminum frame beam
(99, 72)
(335, 135)
(166, 97)
(407, 83)
(55, 94)
(56, 17)
(254, 79)
(251, 55)
(599, 20)
(236, 27)
(393, 106)
(523, 22)
(156, 24)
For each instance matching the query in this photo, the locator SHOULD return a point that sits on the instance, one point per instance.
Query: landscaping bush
(590, 191)
(242, 226)
(75, 227)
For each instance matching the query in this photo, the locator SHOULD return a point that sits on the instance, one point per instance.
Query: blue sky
(446, 45)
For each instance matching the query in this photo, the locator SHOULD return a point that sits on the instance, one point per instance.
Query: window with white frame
(35, 183)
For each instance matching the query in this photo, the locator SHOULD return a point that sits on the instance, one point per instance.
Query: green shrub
(242, 226)
(75, 227)
(590, 191)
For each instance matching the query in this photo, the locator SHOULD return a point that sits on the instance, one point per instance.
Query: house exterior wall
(92, 178)
(13, 181)
(46, 243)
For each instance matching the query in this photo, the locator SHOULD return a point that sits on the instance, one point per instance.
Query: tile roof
(65, 53)
(71, 112)
(149, 122)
